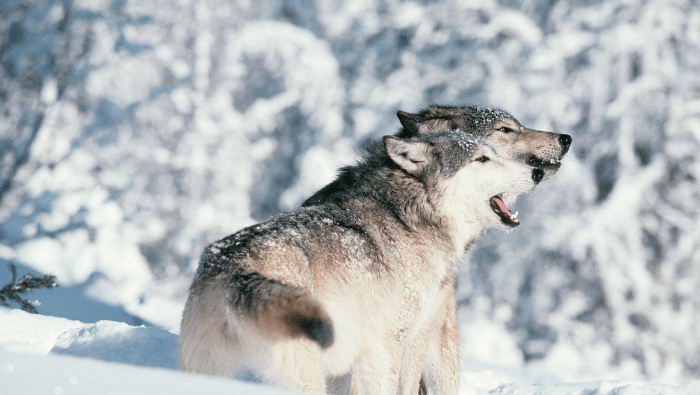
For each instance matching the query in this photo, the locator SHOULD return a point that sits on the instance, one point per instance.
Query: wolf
(502, 130)
(354, 284)
(511, 140)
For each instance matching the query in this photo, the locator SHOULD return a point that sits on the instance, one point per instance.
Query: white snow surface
(51, 355)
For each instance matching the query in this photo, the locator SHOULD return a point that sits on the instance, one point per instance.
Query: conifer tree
(12, 292)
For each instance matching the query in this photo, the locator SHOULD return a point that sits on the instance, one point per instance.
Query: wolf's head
(507, 136)
(466, 181)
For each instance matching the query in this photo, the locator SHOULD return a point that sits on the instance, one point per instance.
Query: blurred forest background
(134, 133)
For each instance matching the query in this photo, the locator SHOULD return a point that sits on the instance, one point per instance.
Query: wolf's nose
(537, 175)
(565, 141)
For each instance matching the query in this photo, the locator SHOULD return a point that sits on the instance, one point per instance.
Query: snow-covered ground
(51, 355)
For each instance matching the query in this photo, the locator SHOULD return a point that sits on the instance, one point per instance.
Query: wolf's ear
(410, 123)
(412, 156)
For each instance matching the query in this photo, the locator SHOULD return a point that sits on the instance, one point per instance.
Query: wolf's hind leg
(206, 342)
(294, 363)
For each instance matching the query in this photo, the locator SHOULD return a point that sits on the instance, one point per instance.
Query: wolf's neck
(464, 234)
(398, 196)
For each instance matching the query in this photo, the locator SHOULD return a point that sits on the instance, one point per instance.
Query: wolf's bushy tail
(280, 308)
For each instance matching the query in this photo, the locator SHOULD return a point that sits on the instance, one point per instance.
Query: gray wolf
(354, 284)
(511, 140)
(506, 134)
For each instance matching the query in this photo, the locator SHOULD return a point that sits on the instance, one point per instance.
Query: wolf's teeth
(514, 216)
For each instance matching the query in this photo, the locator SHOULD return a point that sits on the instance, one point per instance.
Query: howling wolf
(506, 134)
(360, 282)
(511, 140)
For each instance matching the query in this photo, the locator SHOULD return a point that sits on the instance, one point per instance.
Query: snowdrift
(42, 354)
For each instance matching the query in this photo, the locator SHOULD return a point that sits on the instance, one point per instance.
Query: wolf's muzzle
(537, 175)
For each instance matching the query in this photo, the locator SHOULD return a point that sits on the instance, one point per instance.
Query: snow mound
(24, 374)
(119, 342)
(31, 333)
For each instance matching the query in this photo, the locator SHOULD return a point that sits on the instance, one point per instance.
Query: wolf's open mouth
(545, 163)
(499, 207)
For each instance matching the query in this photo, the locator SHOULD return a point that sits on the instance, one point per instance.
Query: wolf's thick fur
(511, 140)
(358, 284)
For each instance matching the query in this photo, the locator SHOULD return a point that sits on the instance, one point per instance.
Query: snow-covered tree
(134, 133)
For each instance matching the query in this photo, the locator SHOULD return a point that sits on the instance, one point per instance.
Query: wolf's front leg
(338, 385)
(412, 364)
(377, 369)
(441, 368)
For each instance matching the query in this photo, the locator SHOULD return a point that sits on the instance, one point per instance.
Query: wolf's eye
(505, 129)
(482, 159)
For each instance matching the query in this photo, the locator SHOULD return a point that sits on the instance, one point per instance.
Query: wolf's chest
(420, 304)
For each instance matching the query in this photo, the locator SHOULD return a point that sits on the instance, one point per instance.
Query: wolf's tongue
(502, 205)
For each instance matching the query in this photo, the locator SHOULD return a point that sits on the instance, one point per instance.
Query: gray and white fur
(358, 283)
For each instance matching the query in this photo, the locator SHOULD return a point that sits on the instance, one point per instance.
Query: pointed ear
(412, 156)
(410, 123)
